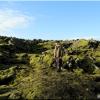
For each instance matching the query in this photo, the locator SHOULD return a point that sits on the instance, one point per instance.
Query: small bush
(15, 95)
(34, 59)
(97, 72)
(48, 60)
(97, 53)
(78, 71)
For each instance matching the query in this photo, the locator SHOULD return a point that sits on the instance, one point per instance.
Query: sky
(50, 20)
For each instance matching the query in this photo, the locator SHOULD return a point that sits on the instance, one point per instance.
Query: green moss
(34, 60)
(15, 95)
(65, 58)
(48, 45)
(4, 96)
(34, 79)
(97, 72)
(80, 44)
(97, 59)
(6, 73)
(97, 53)
(78, 71)
(22, 58)
(48, 60)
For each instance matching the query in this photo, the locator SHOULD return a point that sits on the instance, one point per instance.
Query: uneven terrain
(25, 73)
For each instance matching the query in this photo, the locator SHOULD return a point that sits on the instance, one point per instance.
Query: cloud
(11, 19)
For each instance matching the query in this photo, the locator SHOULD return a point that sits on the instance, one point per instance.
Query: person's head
(57, 43)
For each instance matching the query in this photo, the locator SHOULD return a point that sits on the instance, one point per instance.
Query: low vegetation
(26, 73)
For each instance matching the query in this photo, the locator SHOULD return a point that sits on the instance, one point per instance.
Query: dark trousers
(58, 63)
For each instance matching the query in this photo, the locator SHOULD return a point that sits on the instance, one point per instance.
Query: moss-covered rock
(25, 71)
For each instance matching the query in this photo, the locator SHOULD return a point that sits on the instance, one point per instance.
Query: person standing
(58, 54)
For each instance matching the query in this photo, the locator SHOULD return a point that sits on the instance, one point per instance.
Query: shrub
(22, 58)
(97, 72)
(48, 60)
(78, 71)
(34, 59)
(15, 95)
(97, 53)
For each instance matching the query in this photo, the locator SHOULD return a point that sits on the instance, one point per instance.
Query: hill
(25, 73)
